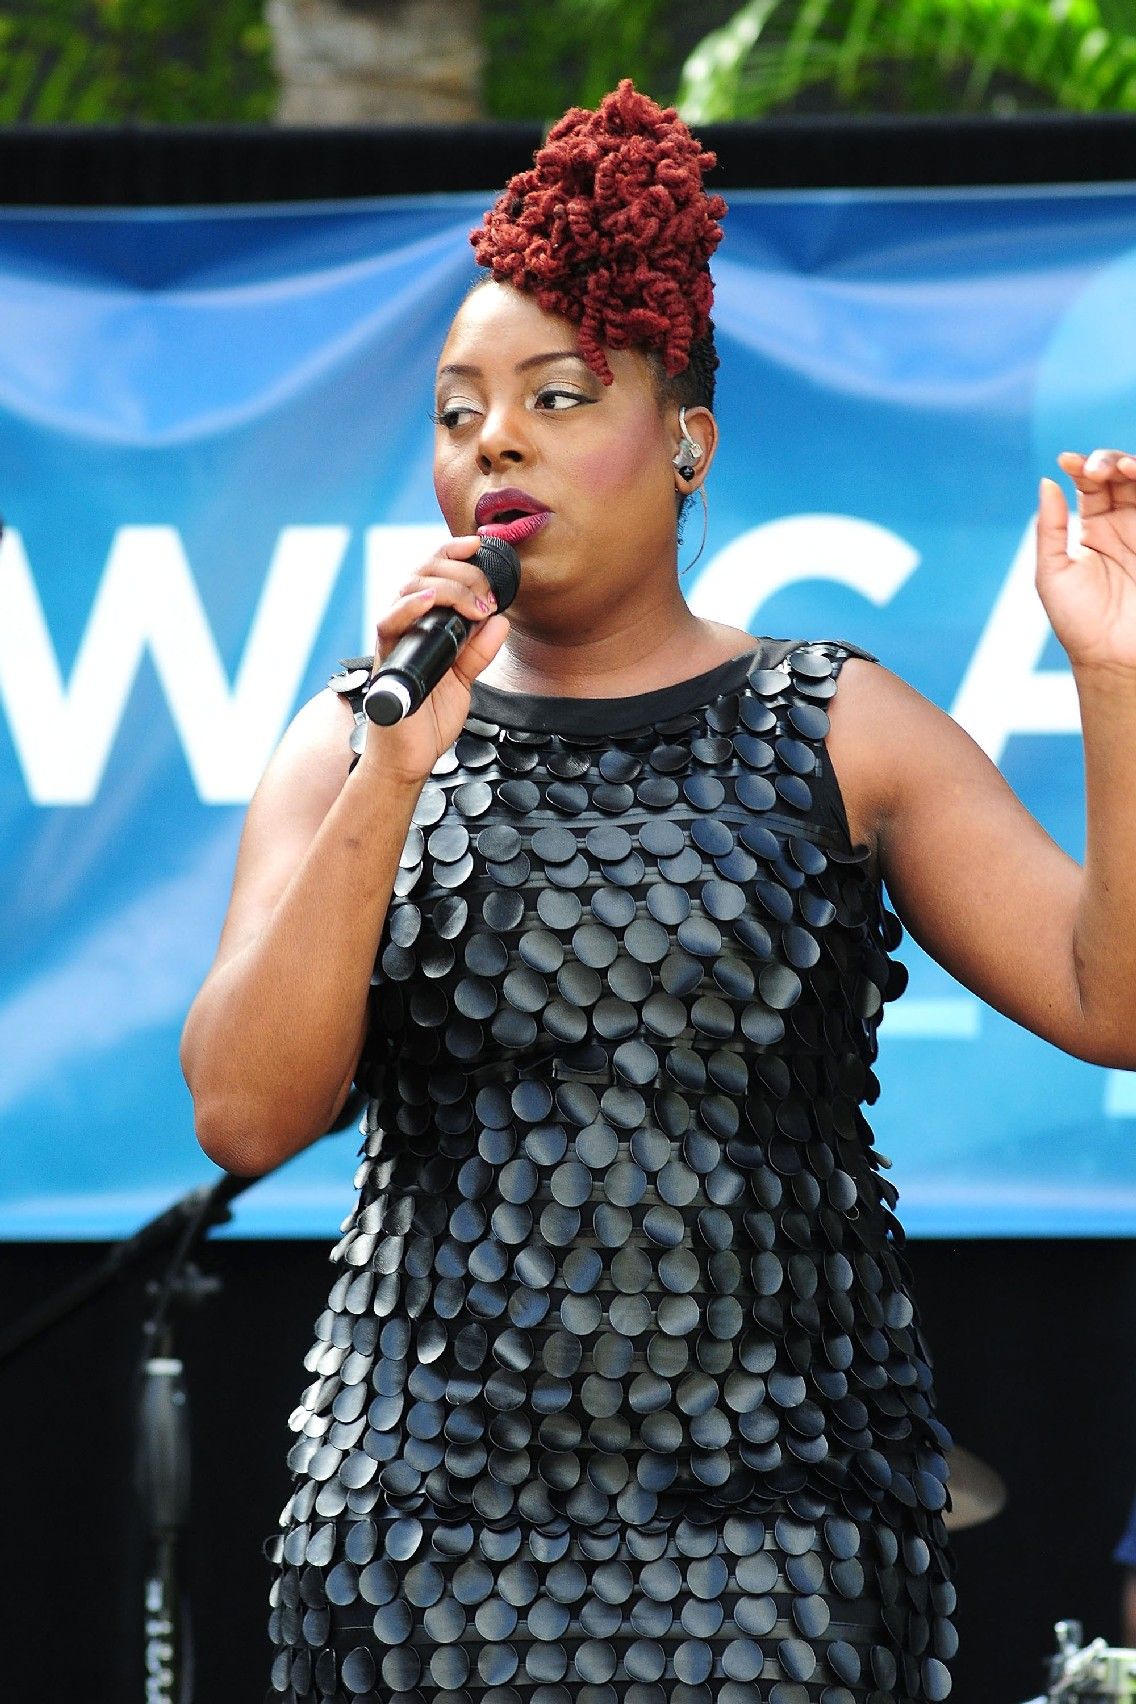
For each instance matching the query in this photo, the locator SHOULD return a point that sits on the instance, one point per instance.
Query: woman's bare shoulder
(312, 760)
(304, 777)
(884, 733)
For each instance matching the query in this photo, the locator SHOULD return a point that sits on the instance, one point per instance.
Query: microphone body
(406, 678)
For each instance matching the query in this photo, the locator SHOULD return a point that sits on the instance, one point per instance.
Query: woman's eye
(556, 398)
(453, 414)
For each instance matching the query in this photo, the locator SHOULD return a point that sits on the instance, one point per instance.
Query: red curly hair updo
(610, 228)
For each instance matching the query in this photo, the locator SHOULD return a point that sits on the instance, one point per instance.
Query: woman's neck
(608, 648)
(631, 651)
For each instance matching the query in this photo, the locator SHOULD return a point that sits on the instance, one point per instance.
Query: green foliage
(546, 55)
(106, 61)
(914, 55)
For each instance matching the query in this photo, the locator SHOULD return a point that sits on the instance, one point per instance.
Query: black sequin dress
(619, 1396)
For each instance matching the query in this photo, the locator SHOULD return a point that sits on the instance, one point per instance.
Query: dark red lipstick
(509, 514)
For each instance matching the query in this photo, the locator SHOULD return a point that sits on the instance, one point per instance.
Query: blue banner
(215, 465)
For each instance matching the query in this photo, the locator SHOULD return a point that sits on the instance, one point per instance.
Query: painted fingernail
(482, 605)
(427, 592)
(492, 604)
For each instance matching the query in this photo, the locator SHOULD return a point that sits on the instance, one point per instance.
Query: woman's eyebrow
(461, 370)
(553, 355)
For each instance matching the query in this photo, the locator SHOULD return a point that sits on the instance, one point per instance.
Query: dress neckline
(563, 713)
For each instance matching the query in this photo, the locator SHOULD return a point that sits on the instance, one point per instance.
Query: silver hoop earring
(705, 528)
(688, 453)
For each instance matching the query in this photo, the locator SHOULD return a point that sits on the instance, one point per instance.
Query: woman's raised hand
(1089, 590)
(408, 751)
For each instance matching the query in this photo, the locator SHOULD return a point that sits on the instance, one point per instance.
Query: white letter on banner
(1003, 691)
(843, 548)
(391, 554)
(148, 601)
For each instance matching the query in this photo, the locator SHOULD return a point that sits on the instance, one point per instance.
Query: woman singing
(619, 1396)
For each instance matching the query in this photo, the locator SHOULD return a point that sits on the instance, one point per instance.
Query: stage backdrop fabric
(215, 453)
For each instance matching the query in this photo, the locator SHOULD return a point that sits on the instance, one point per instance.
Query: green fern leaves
(915, 55)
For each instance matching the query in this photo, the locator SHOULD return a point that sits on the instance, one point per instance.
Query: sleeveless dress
(619, 1395)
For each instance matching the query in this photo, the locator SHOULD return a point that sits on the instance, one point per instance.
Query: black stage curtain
(133, 165)
(1033, 1350)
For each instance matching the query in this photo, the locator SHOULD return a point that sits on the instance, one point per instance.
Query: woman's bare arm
(975, 878)
(273, 1038)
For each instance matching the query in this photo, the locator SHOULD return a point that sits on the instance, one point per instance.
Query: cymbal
(978, 1493)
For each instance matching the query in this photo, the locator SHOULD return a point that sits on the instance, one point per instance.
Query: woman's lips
(515, 531)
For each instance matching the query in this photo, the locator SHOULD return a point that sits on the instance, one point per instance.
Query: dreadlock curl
(612, 230)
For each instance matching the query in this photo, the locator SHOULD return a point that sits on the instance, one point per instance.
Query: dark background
(132, 165)
(1033, 1340)
(1033, 1348)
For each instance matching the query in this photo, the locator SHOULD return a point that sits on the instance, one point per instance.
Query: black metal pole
(162, 1459)
(162, 1481)
(161, 1418)
(162, 1442)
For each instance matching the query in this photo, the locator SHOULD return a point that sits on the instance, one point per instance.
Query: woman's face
(520, 413)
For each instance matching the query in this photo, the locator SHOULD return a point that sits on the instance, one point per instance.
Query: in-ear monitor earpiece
(688, 451)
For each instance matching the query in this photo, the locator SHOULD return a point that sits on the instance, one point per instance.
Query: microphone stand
(212, 1199)
(162, 1449)
(161, 1414)
(161, 1407)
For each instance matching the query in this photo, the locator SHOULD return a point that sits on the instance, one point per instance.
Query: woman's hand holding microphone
(405, 750)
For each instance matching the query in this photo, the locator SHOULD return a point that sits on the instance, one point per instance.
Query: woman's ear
(696, 440)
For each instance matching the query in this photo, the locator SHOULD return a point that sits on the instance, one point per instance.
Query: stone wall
(376, 61)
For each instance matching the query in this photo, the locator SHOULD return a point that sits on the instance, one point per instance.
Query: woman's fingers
(1052, 529)
(481, 648)
(458, 581)
(471, 597)
(447, 581)
(1105, 479)
(458, 554)
(1099, 464)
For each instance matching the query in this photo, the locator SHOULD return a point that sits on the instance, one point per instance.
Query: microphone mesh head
(501, 566)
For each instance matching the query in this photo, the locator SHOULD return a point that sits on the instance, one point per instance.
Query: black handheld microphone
(417, 663)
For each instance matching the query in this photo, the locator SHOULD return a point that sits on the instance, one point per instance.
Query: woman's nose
(502, 437)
